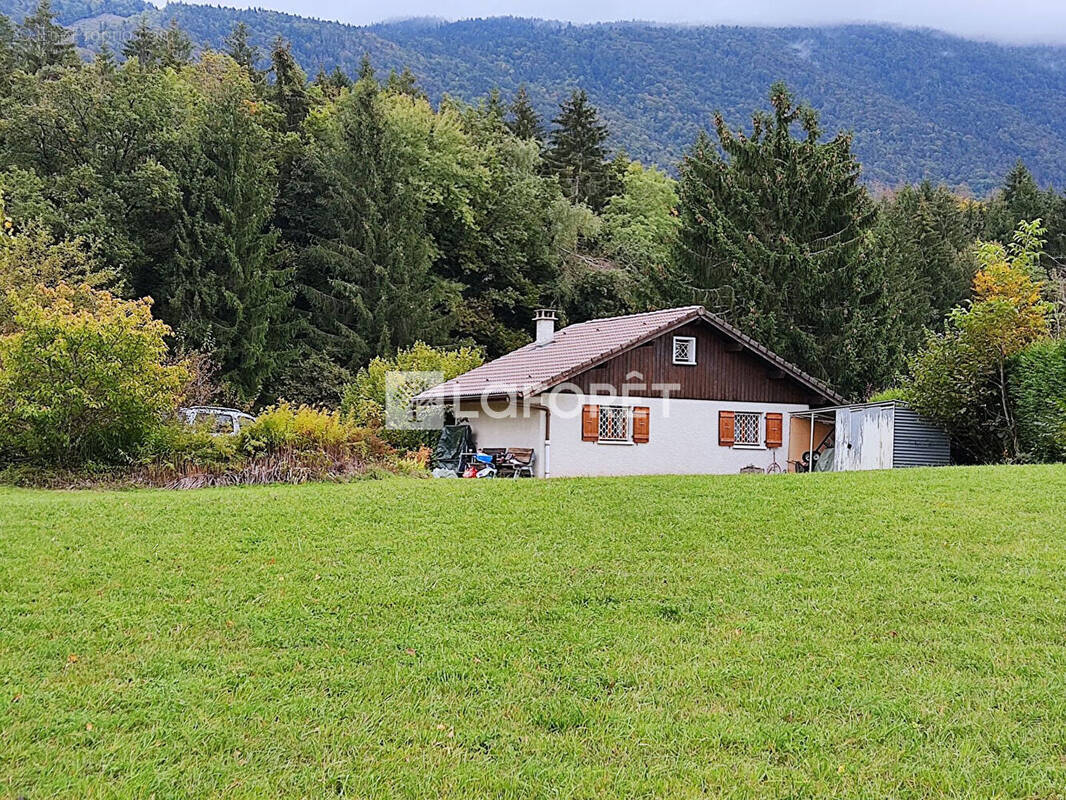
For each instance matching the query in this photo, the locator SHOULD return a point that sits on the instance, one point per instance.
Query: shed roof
(534, 368)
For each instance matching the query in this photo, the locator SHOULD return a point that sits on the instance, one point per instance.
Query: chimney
(545, 320)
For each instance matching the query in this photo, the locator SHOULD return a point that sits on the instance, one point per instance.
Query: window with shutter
(746, 428)
(614, 424)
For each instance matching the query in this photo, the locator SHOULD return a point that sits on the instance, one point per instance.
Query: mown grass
(897, 634)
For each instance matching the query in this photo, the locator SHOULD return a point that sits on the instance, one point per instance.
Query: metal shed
(865, 436)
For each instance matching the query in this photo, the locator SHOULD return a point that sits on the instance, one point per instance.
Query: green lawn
(898, 634)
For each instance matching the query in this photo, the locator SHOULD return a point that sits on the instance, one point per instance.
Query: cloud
(1015, 21)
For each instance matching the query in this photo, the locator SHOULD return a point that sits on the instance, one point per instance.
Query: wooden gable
(724, 370)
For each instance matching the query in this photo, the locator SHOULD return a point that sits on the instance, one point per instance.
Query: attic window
(685, 350)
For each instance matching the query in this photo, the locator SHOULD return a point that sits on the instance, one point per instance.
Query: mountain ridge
(923, 104)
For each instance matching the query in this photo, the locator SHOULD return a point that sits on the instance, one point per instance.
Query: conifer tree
(289, 91)
(42, 42)
(9, 59)
(238, 46)
(577, 152)
(365, 280)
(175, 47)
(403, 82)
(1021, 198)
(143, 44)
(524, 122)
(494, 109)
(333, 83)
(104, 60)
(773, 230)
(226, 290)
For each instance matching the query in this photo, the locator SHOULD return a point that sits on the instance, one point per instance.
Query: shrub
(286, 444)
(892, 393)
(303, 429)
(82, 377)
(175, 444)
(364, 398)
(959, 378)
(1038, 389)
(30, 257)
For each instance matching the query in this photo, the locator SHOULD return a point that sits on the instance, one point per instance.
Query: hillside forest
(923, 105)
(286, 231)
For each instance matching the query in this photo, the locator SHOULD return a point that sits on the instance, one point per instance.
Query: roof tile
(534, 368)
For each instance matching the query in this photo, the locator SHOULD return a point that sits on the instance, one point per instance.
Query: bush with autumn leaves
(995, 376)
(87, 385)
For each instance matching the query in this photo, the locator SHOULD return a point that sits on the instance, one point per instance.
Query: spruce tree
(104, 60)
(9, 59)
(524, 122)
(289, 91)
(365, 281)
(175, 47)
(773, 236)
(1021, 198)
(44, 43)
(144, 44)
(226, 289)
(404, 82)
(577, 152)
(238, 46)
(333, 83)
(924, 238)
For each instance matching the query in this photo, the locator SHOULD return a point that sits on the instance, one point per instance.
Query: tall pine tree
(175, 47)
(239, 47)
(524, 122)
(577, 153)
(226, 289)
(924, 238)
(773, 230)
(365, 281)
(289, 92)
(1022, 199)
(143, 44)
(42, 42)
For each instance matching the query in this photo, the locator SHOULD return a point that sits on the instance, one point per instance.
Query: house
(672, 391)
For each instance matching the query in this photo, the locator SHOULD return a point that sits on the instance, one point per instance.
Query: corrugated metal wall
(917, 442)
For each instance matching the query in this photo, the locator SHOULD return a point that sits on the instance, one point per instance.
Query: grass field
(898, 634)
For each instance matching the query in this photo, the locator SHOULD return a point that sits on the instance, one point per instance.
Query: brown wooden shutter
(590, 423)
(641, 419)
(774, 427)
(725, 428)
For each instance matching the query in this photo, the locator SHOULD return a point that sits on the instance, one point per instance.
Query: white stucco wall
(501, 425)
(683, 437)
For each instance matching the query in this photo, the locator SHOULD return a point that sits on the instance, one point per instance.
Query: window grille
(684, 350)
(614, 424)
(746, 428)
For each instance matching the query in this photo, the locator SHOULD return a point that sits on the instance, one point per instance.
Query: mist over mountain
(922, 104)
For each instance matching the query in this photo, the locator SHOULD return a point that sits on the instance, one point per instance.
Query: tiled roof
(534, 368)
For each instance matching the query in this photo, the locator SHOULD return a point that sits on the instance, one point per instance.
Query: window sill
(684, 363)
(749, 447)
(612, 442)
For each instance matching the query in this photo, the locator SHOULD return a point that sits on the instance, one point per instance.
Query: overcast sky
(1016, 20)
